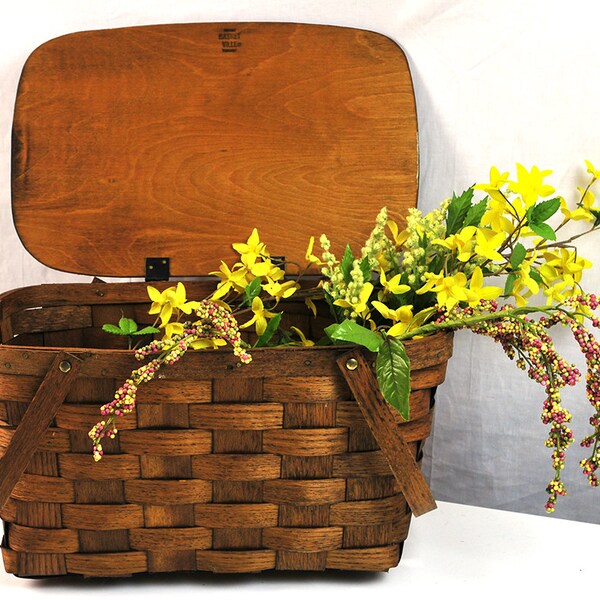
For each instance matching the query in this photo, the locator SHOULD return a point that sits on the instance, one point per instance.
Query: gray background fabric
(497, 82)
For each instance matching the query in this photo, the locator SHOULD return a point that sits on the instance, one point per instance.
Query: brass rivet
(238, 365)
(25, 355)
(65, 366)
(104, 372)
(161, 376)
(7, 365)
(307, 363)
(99, 293)
(351, 364)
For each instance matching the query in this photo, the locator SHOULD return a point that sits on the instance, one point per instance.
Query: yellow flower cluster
(169, 302)
(255, 264)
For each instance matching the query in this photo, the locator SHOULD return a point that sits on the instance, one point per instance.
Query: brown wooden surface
(302, 123)
(381, 421)
(34, 424)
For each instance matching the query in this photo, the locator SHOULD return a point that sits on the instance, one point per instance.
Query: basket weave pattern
(225, 469)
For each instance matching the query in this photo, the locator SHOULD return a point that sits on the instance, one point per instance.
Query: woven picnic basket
(144, 152)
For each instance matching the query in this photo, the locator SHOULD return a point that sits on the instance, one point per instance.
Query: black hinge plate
(158, 269)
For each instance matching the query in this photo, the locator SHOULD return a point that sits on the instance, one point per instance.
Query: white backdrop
(497, 82)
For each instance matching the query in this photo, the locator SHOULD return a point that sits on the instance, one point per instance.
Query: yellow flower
(400, 327)
(393, 286)
(173, 298)
(399, 237)
(311, 305)
(488, 243)
(400, 317)
(554, 293)
(449, 290)
(280, 290)
(530, 184)
(492, 189)
(257, 268)
(229, 279)
(568, 264)
(548, 273)
(433, 280)
(358, 304)
(524, 278)
(595, 173)
(172, 329)
(583, 212)
(496, 216)
(461, 242)
(520, 298)
(252, 249)
(399, 314)
(302, 337)
(260, 316)
(276, 273)
(207, 343)
(309, 256)
(477, 291)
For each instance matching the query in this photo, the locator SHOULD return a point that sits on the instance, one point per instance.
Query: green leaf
(596, 214)
(349, 331)
(336, 311)
(393, 374)
(109, 328)
(536, 276)
(543, 230)
(542, 211)
(457, 211)
(509, 284)
(346, 264)
(365, 267)
(127, 326)
(146, 331)
(268, 333)
(475, 213)
(252, 290)
(518, 255)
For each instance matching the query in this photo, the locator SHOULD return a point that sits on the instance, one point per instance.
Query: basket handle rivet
(65, 366)
(351, 364)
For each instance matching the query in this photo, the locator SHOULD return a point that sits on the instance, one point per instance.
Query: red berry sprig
(528, 341)
(215, 322)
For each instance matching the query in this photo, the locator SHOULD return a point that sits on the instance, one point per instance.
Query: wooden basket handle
(36, 421)
(383, 426)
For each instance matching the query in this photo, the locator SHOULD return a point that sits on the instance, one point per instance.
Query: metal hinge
(158, 269)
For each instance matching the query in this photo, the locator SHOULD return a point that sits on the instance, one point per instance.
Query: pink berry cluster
(98, 432)
(591, 349)
(528, 340)
(122, 404)
(215, 322)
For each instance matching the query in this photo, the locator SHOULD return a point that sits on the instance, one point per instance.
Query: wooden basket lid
(176, 140)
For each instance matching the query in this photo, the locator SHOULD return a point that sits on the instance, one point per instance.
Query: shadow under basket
(221, 467)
